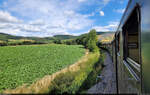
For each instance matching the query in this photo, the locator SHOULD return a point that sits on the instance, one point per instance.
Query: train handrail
(134, 64)
(134, 75)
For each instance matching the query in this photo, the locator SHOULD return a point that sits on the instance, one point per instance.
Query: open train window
(131, 43)
(131, 37)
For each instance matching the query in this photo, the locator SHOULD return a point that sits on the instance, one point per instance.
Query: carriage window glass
(118, 42)
(131, 37)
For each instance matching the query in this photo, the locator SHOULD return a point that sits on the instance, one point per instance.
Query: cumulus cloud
(120, 10)
(81, 0)
(38, 22)
(30, 30)
(105, 1)
(7, 17)
(112, 26)
(121, 1)
(101, 13)
(47, 18)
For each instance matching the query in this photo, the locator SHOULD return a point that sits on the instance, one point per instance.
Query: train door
(131, 54)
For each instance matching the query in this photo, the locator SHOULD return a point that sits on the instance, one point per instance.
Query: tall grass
(71, 81)
(91, 79)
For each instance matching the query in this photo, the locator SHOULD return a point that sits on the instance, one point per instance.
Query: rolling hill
(105, 37)
(102, 36)
(5, 37)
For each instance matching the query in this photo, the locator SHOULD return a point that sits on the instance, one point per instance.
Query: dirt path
(108, 83)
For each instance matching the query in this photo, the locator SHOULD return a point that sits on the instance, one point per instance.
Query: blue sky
(44, 18)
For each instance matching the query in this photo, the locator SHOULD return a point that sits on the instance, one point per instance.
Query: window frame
(133, 67)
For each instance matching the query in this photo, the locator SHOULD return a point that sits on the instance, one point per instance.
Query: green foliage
(64, 37)
(77, 82)
(62, 82)
(92, 41)
(57, 41)
(11, 42)
(82, 40)
(6, 37)
(26, 64)
(70, 82)
(70, 42)
(91, 79)
(37, 40)
(3, 43)
(89, 41)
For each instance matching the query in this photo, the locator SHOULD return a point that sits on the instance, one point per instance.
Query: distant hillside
(6, 37)
(63, 37)
(102, 36)
(105, 37)
(101, 33)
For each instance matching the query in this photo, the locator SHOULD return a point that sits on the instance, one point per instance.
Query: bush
(76, 84)
(92, 41)
(26, 42)
(57, 41)
(3, 43)
(62, 82)
(70, 42)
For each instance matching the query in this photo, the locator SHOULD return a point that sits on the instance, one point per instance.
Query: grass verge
(91, 79)
(78, 81)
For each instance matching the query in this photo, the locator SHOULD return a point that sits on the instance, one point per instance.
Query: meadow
(25, 64)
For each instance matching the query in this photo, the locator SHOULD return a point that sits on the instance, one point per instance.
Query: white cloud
(100, 28)
(112, 26)
(101, 13)
(38, 22)
(7, 17)
(48, 17)
(121, 1)
(69, 12)
(81, 0)
(30, 30)
(119, 10)
(105, 2)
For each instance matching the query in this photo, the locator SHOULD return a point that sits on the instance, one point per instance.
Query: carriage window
(131, 38)
(118, 42)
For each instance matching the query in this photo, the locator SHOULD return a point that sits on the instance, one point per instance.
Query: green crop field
(26, 64)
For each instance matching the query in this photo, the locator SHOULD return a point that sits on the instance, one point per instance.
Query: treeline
(19, 42)
(89, 41)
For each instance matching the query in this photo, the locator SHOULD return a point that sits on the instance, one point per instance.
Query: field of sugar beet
(25, 64)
